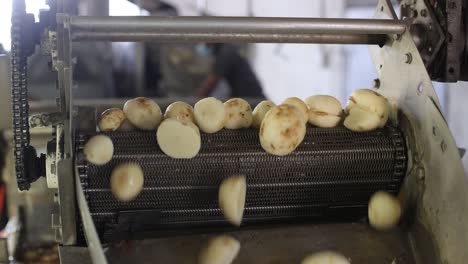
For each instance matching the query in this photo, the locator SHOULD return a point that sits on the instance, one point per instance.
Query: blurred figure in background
(231, 65)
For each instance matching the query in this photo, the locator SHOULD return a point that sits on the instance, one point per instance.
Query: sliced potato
(180, 110)
(178, 139)
(238, 114)
(231, 198)
(384, 211)
(99, 150)
(111, 120)
(219, 250)
(301, 106)
(325, 110)
(282, 130)
(326, 257)
(371, 101)
(210, 114)
(126, 181)
(260, 111)
(143, 113)
(360, 120)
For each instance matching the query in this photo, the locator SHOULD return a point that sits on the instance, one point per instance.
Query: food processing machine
(328, 179)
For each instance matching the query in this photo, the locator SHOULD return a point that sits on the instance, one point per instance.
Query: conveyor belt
(332, 174)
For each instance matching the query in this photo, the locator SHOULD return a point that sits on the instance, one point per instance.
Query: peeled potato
(326, 257)
(231, 198)
(180, 110)
(370, 101)
(360, 120)
(143, 113)
(260, 111)
(99, 149)
(282, 130)
(238, 114)
(301, 106)
(178, 139)
(325, 110)
(111, 120)
(384, 211)
(220, 250)
(210, 114)
(126, 181)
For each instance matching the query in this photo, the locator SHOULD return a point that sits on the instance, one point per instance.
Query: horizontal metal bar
(234, 29)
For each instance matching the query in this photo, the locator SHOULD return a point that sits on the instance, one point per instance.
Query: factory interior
(247, 131)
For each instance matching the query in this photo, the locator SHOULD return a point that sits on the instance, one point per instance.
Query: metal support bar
(234, 29)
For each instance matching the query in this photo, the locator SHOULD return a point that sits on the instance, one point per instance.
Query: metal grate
(332, 170)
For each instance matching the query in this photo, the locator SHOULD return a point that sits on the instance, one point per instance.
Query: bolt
(443, 146)
(376, 83)
(424, 12)
(408, 58)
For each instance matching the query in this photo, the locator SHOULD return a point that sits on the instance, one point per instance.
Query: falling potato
(231, 198)
(260, 111)
(300, 105)
(371, 101)
(180, 110)
(326, 257)
(143, 113)
(111, 120)
(219, 250)
(99, 150)
(238, 114)
(384, 211)
(360, 120)
(126, 181)
(282, 130)
(179, 139)
(325, 110)
(210, 114)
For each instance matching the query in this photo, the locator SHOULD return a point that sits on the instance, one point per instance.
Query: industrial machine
(316, 197)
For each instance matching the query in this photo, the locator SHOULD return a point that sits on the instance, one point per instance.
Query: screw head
(443, 146)
(408, 58)
(424, 12)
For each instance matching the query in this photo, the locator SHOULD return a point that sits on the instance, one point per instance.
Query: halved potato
(326, 257)
(180, 110)
(143, 113)
(370, 101)
(325, 110)
(126, 181)
(231, 198)
(111, 120)
(238, 114)
(99, 149)
(260, 111)
(178, 139)
(384, 211)
(219, 250)
(210, 114)
(301, 106)
(360, 120)
(282, 130)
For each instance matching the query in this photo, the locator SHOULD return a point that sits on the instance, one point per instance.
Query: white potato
(301, 106)
(360, 120)
(180, 110)
(210, 114)
(179, 139)
(260, 111)
(384, 211)
(282, 130)
(127, 126)
(238, 114)
(111, 120)
(126, 181)
(219, 250)
(143, 113)
(371, 101)
(99, 149)
(231, 198)
(325, 110)
(326, 257)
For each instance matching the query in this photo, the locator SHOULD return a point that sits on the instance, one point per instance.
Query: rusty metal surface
(357, 242)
